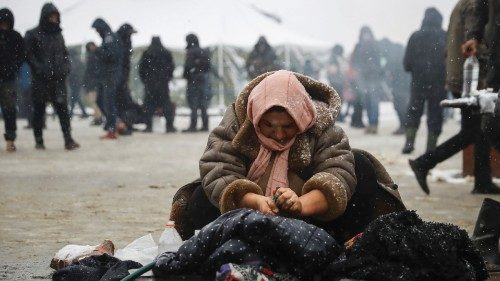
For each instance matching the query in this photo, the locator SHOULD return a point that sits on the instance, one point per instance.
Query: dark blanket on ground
(96, 268)
(244, 235)
(400, 246)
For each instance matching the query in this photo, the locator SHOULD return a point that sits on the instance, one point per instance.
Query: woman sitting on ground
(277, 150)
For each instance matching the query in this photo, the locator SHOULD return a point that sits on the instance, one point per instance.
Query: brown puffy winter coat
(320, 158)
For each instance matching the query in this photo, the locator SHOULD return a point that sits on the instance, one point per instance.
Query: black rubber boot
(411, 133)
(486, 233)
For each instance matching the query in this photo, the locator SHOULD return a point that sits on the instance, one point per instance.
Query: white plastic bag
(142, 250)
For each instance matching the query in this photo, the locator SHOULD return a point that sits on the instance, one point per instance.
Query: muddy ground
(121, 190)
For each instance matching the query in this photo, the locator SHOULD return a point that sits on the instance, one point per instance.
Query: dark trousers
(400, 103)
(470, 133)
(106, 100)
(55, 93)
(76, 99)
(158, 96)
(433, 95)
(198, 97)
(8, 105)
(360, 211)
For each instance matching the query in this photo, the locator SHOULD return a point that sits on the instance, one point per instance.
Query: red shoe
(109, 136)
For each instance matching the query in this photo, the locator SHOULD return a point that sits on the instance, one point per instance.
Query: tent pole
(220, 71)
(287, 56)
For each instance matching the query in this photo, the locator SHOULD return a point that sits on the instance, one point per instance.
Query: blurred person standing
(75, 80)
(156, 69)
(90, 81)
(196, 71)
(425, 60)
(336, 73)
(366, 61)
(461, 21)
(261, 59)
(397, 79)
(109, 58)
(50, 65)
(12, 56)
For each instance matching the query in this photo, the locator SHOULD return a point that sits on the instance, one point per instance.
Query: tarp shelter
(227, 22)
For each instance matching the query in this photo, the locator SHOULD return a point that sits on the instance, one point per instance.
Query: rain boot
(486, 233)
(420, 174)
(411, 133)
(432, 139)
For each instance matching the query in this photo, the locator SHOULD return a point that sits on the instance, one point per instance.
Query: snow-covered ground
(121, 190)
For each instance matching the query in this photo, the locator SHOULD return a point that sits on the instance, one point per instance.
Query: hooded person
(424, 59)
(50, 65)
(109, 58)
(156, 69)
(128, 110)
(366, 61)
(262, 59)
(277, 150)
(196, 71)
(12, 56)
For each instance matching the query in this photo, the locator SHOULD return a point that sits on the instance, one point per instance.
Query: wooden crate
(468, 162)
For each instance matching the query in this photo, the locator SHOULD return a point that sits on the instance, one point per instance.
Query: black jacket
(156, 65)
(109, 54)
(46, 50)
(12, 51)
(245, 235)
(366, 57)
(90, 76)
(197, 59)
(425, 52)
(262, 59)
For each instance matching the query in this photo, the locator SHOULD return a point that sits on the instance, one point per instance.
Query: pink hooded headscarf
(283, 89)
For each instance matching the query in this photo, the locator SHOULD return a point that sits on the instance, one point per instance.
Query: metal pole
(220, 71)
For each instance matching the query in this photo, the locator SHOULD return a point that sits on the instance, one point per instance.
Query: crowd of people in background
(422, 73)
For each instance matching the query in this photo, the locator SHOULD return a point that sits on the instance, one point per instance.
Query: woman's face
(279, 126)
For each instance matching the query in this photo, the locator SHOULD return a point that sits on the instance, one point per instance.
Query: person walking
(12, 56)
(49, 61)
(424, 59)
(109, 58)
(156, 69)
(470, 131)
(196, 71)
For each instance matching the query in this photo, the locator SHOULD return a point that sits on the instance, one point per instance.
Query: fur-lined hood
(326, 101)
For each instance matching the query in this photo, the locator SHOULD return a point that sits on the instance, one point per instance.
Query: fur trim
(234, 192)
(327, 103)
(334, 191)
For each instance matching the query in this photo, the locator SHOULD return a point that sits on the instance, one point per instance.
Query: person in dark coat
(424, 59)
(486, 28)
(12, 56)
(156, 69)
(366, 61)
(196, 71)
(128, 110)
(262, 59)
(50, 65)
(336, 74)
(90, 81)
(109, 58)
(397, 79)
(75, 82)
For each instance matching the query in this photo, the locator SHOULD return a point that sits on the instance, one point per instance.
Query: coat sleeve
(223, 169)
(333, 171)
(33, 55)
(409, 54)
(480, 18)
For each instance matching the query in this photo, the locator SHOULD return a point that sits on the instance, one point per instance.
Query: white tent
(227, 22)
